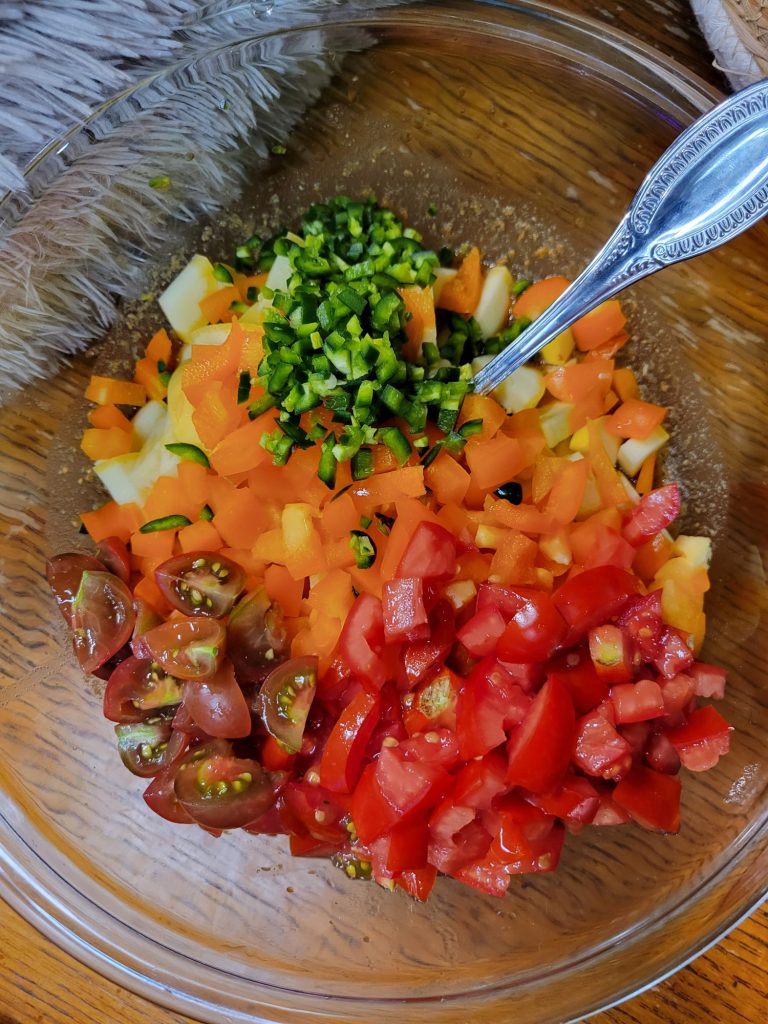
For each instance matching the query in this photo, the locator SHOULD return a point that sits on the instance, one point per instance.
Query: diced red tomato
(422, 655)
(610, 654)
(342, 757)
(489, 703)
(674, 655)
(314, 811)
(405, 846)
(575, 800)
(433, 704)
(456, 837)
(708, 680)
(431, 553)
(661, 755)
(600, 749)
(535, 629)
(438, 746)
(655, 511)
(362, 640)
(479, 782)
(637, 702)
(609, 812)
(650, 798)
(577, 673)
(540, 749)
(403, 608)
(703, 740)
(677, 693)
(417, 884)
(642, 623)
(594, 596)
(480, 633)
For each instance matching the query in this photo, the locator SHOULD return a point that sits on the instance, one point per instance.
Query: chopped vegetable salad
(337, 596)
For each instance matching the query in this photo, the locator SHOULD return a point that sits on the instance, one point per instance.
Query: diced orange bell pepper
(339, 517)
(147, 590)
(166, 498)
(270, 547)
(597, 327)
(252, 351)
(495, 462)
(644, 482)
(539, 296)
(112, 520)
(283, 589)
(216, 306)
(147, 373)
(160, 347)
(447, 480)
(512, 562)
(156, 547)
(420, 317)
(567, 493)
(217, 412)
(332, 595)
(545, 472)
(650, 556)
(106, 416)
(108, 391)
(241, 451)
(209, 363)
(525, 518)
(241, 518)
(105, 443)
(244, 282)
(195, 483)
(200, 536)
(389, 487)
(635, 419)
(485, 408)
(625, 384)
(461, 293)
(575, 382)
(609, 486)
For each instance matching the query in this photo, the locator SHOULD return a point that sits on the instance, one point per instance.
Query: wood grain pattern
(40, 985)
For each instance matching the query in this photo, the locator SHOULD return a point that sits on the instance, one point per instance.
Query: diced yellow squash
(555, 422)
(558, 351)
(633, 453)
(493, 308)
(181, 299)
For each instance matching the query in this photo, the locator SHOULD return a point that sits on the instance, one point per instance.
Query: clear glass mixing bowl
(528, 130)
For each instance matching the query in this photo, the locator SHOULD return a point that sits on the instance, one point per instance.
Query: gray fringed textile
(70, 249)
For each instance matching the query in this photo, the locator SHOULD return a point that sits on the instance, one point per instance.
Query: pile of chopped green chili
(333, 337)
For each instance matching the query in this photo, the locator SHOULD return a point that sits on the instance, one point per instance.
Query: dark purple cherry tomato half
(136, 688)
(160, 796)
(187, 648)
(102, 618)
(148, 747)
(64, 573)
(219, 790)
(256, 636)
(285, 698)
(217, 705)
(200, 583)
(115, 557)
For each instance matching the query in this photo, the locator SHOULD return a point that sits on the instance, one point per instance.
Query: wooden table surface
(729, 985)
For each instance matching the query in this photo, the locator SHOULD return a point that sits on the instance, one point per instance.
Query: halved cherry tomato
(102, 618)
(650, 798)
(655, 511)
(149, 746)
(540, 749)
(217, 705)
(594, 596)
(200, 583)
(256, 636)
(136, 688)
(285, 698)
(403, 609)
(146, 619)
(115, 557)
(64, 574)
(160, 796)
(187, 648)
(362, 640)
(222, 791)
(535, 629)
(430, 555)
(702, 740)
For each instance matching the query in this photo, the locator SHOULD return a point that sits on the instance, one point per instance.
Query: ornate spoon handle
(709, 186)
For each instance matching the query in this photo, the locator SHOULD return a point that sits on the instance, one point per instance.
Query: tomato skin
(403, 608)
(703, 739)
(64, 574)
(217, 704)
(481, 633)
(650, 798)
(576, 800)
(115, 557)
(135, 689)
(535, 630)
(661, 755)
(421, 655)
(362, 640)
(489, 702)
(191, 648)
(540, 749)
(577, 673)
(600, 749)
(430, 555)
(200, 583)
(594, 596)
(342, 759)
(102, 619)
(637, 702)
(393, 790)
(160, 797)
(256, 637)
(655, 511)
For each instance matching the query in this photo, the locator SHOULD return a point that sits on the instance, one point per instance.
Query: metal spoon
(709, 186)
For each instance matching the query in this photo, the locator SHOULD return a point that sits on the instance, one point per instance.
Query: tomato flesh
(430, 555)
(540, 749)
(190, 648)
(535, 629)
(136, 688)
(362, 640)
(403, 608)
(221, 791)
(285, 698)
(256, 637)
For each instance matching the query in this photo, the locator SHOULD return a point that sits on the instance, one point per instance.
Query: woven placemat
(737, 32)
